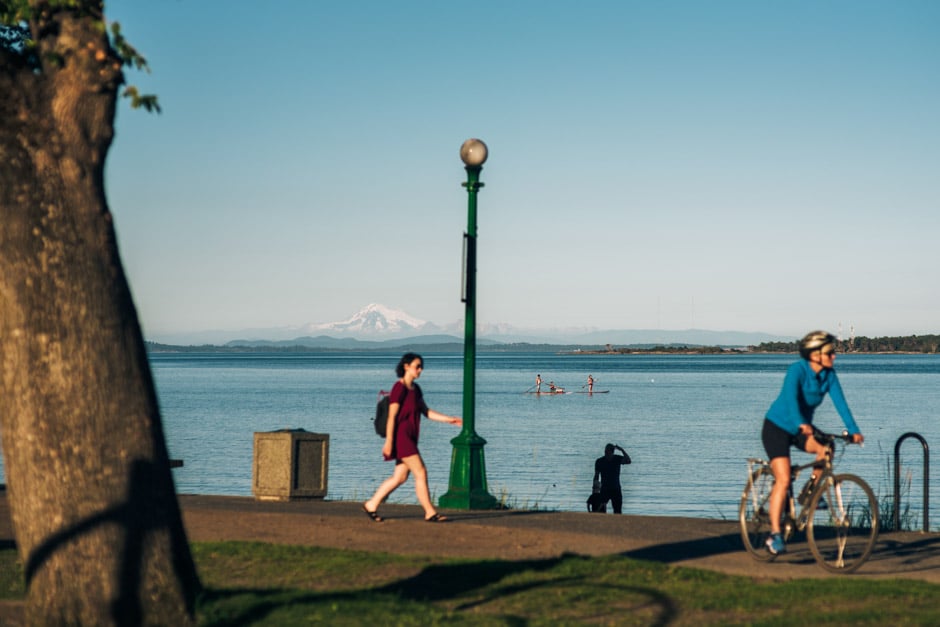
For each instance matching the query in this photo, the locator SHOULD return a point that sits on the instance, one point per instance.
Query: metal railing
(897, 479)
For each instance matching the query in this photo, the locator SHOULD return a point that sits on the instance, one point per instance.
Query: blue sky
(753, 166)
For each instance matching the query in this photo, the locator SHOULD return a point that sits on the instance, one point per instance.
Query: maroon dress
(408, 421)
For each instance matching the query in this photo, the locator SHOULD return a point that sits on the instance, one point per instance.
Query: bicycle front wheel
(754, 513)
(843, 523)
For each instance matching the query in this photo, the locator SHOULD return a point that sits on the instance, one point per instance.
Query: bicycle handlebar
(824, 437)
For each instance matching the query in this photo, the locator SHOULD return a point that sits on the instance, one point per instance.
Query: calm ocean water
(688, 422)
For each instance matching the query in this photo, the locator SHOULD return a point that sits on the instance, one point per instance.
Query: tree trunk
(94, 509)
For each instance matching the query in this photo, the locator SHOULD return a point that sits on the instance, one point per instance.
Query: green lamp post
(467, 489)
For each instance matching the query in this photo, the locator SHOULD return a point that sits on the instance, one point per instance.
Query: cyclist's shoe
(775, 544)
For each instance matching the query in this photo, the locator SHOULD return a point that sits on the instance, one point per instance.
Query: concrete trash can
(290, 464)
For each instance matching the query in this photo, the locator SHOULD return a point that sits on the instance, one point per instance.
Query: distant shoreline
(906, 345)
(154, 348)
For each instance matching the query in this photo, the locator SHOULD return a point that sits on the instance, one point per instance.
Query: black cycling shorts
(777, 442)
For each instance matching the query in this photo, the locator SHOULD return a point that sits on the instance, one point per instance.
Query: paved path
(710, 544)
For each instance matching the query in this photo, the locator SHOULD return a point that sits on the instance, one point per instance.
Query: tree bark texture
(94, 508)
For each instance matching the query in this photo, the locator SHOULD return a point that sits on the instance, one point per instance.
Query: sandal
(437, 518)
(373, 515)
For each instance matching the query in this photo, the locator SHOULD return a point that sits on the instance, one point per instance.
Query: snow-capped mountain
(374, 320)
(380, 323)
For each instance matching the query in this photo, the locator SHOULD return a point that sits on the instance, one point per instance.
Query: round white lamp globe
(473, 153)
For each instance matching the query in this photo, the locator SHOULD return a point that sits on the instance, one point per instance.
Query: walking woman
(789, 421)
(406, 405)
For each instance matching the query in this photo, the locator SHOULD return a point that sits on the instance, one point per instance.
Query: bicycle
(839, 513)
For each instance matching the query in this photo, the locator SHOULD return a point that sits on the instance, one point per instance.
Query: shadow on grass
(457, 588)
(438, 582)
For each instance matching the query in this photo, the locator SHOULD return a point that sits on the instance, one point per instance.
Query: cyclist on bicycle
(789, 421)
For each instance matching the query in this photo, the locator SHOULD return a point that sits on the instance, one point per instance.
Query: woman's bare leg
(781, 469)
(814, 447)
(416, 465)
(399, 476)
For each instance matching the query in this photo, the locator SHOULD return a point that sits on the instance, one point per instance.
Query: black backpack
(380, 421)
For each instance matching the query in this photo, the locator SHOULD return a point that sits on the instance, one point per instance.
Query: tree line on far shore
(905, 344)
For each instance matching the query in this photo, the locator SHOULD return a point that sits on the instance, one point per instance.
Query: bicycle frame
(840, 541)
(793, 520)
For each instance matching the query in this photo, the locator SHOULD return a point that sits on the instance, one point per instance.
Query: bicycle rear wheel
(843, 523)
(754, 513)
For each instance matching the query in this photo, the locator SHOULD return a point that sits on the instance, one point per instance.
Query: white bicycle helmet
(813, 341)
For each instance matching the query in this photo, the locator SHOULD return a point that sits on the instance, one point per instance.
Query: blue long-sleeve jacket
(803, 391)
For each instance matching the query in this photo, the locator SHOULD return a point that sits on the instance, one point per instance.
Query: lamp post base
(467, 488)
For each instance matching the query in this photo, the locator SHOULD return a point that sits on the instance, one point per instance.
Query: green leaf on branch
(138, 100)
(130, 57)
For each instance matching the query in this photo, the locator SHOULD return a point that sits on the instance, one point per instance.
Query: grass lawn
(262, 584)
